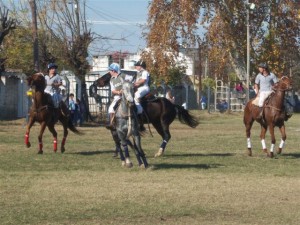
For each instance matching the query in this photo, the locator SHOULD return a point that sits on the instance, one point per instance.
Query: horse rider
(116, 82)
(142, 85)
(53, 83)
(264, 82)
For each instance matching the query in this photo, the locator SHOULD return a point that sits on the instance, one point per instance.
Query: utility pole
(35, 36)
(76, 6)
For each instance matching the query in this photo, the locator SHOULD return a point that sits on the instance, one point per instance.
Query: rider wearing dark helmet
(142, 86)
(53, 83)
(264, 82)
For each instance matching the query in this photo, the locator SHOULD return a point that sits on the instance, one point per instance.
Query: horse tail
(185, 117)
(72, 127)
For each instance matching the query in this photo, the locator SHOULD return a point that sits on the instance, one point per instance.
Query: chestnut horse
(160, 112)
(43, 111)
(273, 116)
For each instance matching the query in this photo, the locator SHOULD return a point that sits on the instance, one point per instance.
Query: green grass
(205, 177)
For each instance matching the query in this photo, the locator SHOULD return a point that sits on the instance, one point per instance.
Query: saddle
(285, 112)
(149, 98)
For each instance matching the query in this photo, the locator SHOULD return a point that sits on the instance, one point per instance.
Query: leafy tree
(274, 32)
(18, 50)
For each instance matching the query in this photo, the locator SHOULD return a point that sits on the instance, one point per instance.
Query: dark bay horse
(160, 112)
(273, 116)
(43, 111)
(127, 125)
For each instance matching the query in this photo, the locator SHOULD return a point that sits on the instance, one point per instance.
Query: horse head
(284, 84)
(103, 81)
(37, 81)
(128, 93)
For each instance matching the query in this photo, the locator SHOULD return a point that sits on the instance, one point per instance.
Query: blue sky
(120, 20)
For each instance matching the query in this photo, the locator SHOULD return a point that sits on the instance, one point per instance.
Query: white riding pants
(262, 97)
(114, 102)
(141, 92)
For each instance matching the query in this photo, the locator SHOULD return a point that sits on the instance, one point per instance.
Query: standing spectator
(79, 112)
(72, 107)
(203, 102)
(239, 87)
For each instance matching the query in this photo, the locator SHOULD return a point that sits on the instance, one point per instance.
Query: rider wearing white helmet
(116, 82)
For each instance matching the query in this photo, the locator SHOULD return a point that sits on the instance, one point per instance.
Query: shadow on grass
(291, 155)
(91, 153)
(201, 155)
(164, 166)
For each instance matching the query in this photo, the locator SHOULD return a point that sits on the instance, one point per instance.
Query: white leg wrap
(127, 160)
(272, 148)
(281, 145)
(248, 142)
(263, 143)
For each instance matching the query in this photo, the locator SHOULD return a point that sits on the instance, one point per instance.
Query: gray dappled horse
(127, 125)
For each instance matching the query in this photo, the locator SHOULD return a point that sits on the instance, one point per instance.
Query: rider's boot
(111, 125)
(260, 115)
(141, 122)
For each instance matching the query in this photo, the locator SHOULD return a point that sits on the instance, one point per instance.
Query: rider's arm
(140, 82)
(256, 88)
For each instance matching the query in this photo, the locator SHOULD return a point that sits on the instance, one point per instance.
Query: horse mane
(37, 81)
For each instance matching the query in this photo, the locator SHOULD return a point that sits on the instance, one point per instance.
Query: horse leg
(248, 125)
(262, 138)
(283, 138)
(117, 141)
(28, 127)
(54, 134)
(40, 137)
(273, 141)
(165, 134)
(128, 162)
(140, 155)
(63, 142)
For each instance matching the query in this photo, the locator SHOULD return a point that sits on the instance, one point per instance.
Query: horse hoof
(271, 155)
(123, 163)
(62, 150)
(28, 145)
(142, 166)
(40, 152)
(249, 153)
(265, 151)
(279, 150)
(159, 153)
(128, 165)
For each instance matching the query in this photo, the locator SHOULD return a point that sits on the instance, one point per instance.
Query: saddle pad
(255, 101)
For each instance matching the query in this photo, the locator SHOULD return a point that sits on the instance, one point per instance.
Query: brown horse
(273, 115)
(43, 111)
(160, 112)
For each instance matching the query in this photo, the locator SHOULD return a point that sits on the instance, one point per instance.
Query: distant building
(188, 57)
(14, 102)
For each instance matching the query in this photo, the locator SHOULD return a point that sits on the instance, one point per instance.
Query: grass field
(205, 177)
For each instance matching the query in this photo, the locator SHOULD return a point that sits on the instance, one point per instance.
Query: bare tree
(7, 24)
